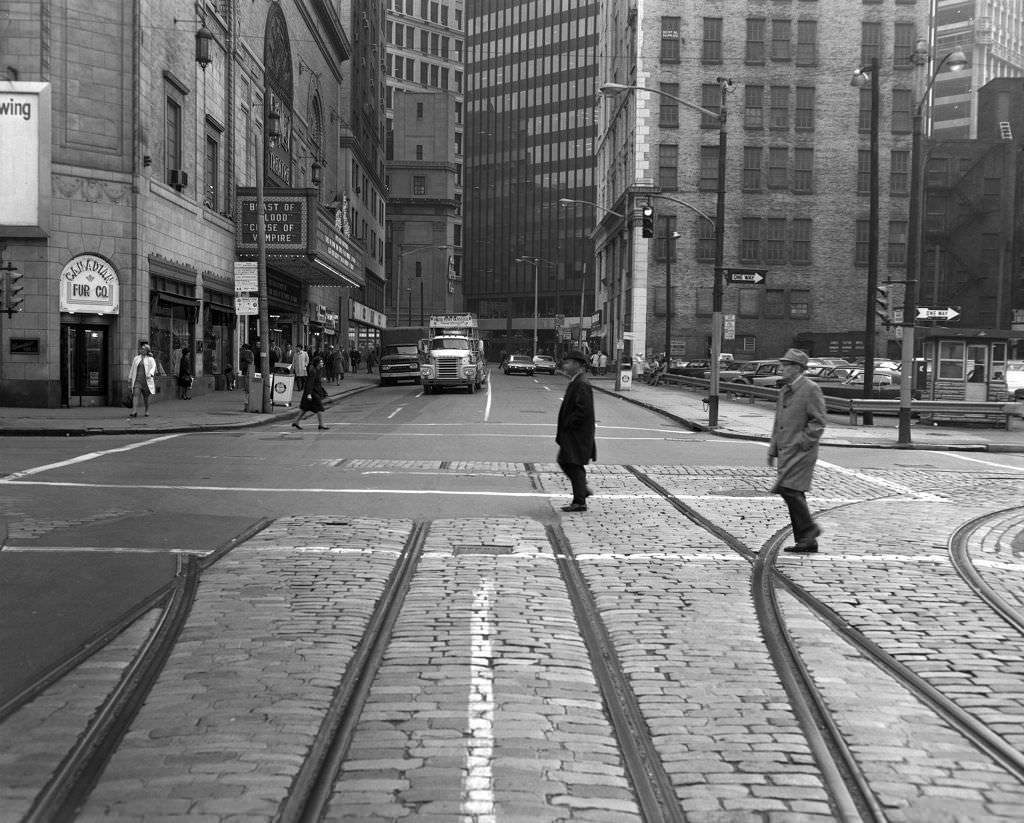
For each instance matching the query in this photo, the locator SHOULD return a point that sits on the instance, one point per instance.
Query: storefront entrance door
(83, 365)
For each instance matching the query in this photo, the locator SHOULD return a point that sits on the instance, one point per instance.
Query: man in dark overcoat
(575, 435)
(799, 424)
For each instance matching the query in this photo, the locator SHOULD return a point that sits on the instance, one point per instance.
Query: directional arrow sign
(755, 276)
(936, 314)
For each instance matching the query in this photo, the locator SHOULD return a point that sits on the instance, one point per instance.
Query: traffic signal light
(883, 304)
(13, 288)
(647, 222)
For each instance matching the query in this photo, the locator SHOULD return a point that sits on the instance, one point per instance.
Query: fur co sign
(89, 285)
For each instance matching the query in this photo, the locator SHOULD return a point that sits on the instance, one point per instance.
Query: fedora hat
(577, 355)
(795, 356)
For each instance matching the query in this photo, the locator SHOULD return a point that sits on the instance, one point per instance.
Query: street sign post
(924, 313)
(755, 276)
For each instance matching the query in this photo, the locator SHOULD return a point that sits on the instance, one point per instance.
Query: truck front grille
(448, 368)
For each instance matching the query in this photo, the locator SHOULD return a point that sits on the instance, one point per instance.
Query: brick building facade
(152, 160)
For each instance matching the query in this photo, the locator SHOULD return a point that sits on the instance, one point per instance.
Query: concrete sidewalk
(739, 418)
(214, 410)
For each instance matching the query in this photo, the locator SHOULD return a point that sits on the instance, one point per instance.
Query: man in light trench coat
(799, 424)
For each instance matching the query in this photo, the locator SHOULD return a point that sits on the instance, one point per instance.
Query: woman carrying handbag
(312, 395)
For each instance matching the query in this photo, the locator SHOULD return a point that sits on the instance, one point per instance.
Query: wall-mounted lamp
(314, 172)
(203, 40)
(273, 127)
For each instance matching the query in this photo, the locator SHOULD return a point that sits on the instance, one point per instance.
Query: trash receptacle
(254, 402)
(626, 377)
(281, 389)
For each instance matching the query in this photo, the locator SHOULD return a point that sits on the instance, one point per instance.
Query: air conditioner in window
(177, 178)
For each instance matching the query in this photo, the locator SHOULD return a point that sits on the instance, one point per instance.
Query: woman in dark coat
(576, 425)
(312, 395)
(185, 375)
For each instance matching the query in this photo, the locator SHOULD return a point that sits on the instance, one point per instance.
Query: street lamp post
(717, 284)
(956, 60)
(670, 238)
(869, 74)
(271, 136)
(565, 202)
(535, 262)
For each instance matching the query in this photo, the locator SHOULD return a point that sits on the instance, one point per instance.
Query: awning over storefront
(301, 238)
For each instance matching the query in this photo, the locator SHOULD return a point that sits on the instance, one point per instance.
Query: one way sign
(755, 276)
(936, 314)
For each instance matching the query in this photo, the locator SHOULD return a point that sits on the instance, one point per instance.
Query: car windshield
(516, 358)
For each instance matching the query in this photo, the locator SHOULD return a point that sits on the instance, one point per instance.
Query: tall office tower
(531, 72)
(425, 134)
(796, 223)
(991, 34)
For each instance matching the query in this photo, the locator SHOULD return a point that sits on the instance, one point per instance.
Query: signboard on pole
(246, 277)
(924, 313)
(729, 326)
(247, 306)
(755, 277)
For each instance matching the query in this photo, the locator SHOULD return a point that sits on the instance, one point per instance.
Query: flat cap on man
(577, 355)
(795, 356)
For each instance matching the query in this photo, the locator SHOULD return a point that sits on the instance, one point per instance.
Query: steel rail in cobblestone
(847, 785)
(311, 790)
(851, 796)
(651, 784)
(961, 559)
(75, 777)
(967, 725)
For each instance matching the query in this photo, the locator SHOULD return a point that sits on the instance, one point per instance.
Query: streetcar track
(70, 784)
(852, 781)
(311, 789)
(652, 786)
(973, 578)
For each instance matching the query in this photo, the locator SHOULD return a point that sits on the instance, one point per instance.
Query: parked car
(828, 374)
(756, 373)
(518, 364)
(690, 368)
(544, 363)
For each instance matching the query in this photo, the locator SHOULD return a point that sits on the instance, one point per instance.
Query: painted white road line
(982, 462)
(881, 482)
(478, 781)
(396, 411)
(82, 458)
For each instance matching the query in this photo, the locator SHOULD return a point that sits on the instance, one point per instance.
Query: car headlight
(426, 371)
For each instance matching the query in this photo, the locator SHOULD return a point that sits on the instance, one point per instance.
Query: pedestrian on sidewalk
(246, 359)
(602, 363)
(300, 363)
(796, 432)
(354, 357)
(338, 359)
(185, 376)
(140, 379)
(312, 395)
(371, 360)
(575, 433)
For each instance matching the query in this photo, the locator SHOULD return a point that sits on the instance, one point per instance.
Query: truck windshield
(449, 343)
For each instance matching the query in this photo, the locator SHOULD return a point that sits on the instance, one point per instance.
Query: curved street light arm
(565, 202)
(690, 206)
(612, 89)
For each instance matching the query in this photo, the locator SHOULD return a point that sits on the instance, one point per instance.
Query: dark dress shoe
(323, 428)
(575, 507)
(802, 548)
